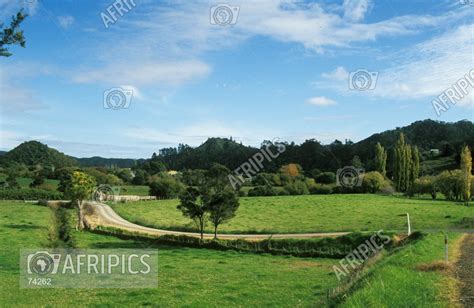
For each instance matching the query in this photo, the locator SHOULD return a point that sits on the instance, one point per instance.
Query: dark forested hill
(97, 161)
(34, 152)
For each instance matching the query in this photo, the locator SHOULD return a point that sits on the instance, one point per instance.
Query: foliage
(449, 183)
(194, 204)
(29, 194)
(380, 159)
(60, 234)
(37, 181)
(325, 178)
(424, 185)
(291, 170)
(165, 186)
(321, 189)
(12, 35)
(466, 168)
(262, 190)
(222, 207)
(79, 188)
(373, 182)
(296, 187)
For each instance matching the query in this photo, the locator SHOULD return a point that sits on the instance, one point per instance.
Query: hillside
(97, 161)
(34, 152)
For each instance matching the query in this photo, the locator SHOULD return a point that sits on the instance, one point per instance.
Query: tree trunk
(80, 217)
(202, 228)
(215, 232)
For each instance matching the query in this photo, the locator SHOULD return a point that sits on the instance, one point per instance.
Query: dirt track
(465, 271)
(100, 214)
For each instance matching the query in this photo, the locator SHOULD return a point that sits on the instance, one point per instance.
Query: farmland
(314, 213)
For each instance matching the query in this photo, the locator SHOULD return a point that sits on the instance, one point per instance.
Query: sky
(126, 78)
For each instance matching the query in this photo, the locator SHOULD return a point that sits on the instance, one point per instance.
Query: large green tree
(12, 35)
(466, 168)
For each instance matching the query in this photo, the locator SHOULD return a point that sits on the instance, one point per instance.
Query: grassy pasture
(187, 277)
(312, 213)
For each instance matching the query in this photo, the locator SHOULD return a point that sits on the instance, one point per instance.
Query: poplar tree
(380, 159)
(466, 168)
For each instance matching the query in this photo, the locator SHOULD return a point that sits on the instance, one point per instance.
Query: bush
(60, 231)
(262, 190)
(373, 182)
(321, 189)
(449, 183)
(29, 194)
(297, 187)
(325, 178)
(165, 187)
(424, 185)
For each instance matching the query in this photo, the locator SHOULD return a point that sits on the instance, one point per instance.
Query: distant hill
(448, 138)
(34, 152)
(97, 161)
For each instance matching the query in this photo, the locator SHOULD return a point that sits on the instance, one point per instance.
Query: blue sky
(282, 70)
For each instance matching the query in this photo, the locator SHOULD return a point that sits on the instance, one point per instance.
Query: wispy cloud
(65, 21)
(321, 101)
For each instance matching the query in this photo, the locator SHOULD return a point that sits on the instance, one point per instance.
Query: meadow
(187, 277)
(313, 213)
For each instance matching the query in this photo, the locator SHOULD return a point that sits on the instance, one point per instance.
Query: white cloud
(355, 10)
(424, 70)
(320, 101)
(339, 74)
(147, 73)
(65, 21)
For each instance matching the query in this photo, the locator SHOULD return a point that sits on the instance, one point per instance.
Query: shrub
(424, 185)
(297, 187)
(325, 178)
(321, 189)
(29, 194)
(373, 182)
(60, 231)
(262, 190)
(165, 187)
(449, 183)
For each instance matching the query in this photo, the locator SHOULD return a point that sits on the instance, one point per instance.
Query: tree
(78, 189)
(466, 168)
(222, 207)
(415, 165)
(37, 181)
(380, 159)
(356, 162)
(165, 187)
(12, 35)
(194, 204)
(403, 165)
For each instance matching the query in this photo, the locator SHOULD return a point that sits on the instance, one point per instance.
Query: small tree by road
(78, 189)
(466, 168)
(222, 207)
(194, 204)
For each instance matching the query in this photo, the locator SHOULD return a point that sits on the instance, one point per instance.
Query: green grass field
(313, 213)
(398, 282)
(187, 277)
(139, 190)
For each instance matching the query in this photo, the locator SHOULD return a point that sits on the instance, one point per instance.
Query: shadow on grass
(23, 226)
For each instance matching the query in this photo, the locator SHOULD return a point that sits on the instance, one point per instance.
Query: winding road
(99, 214)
